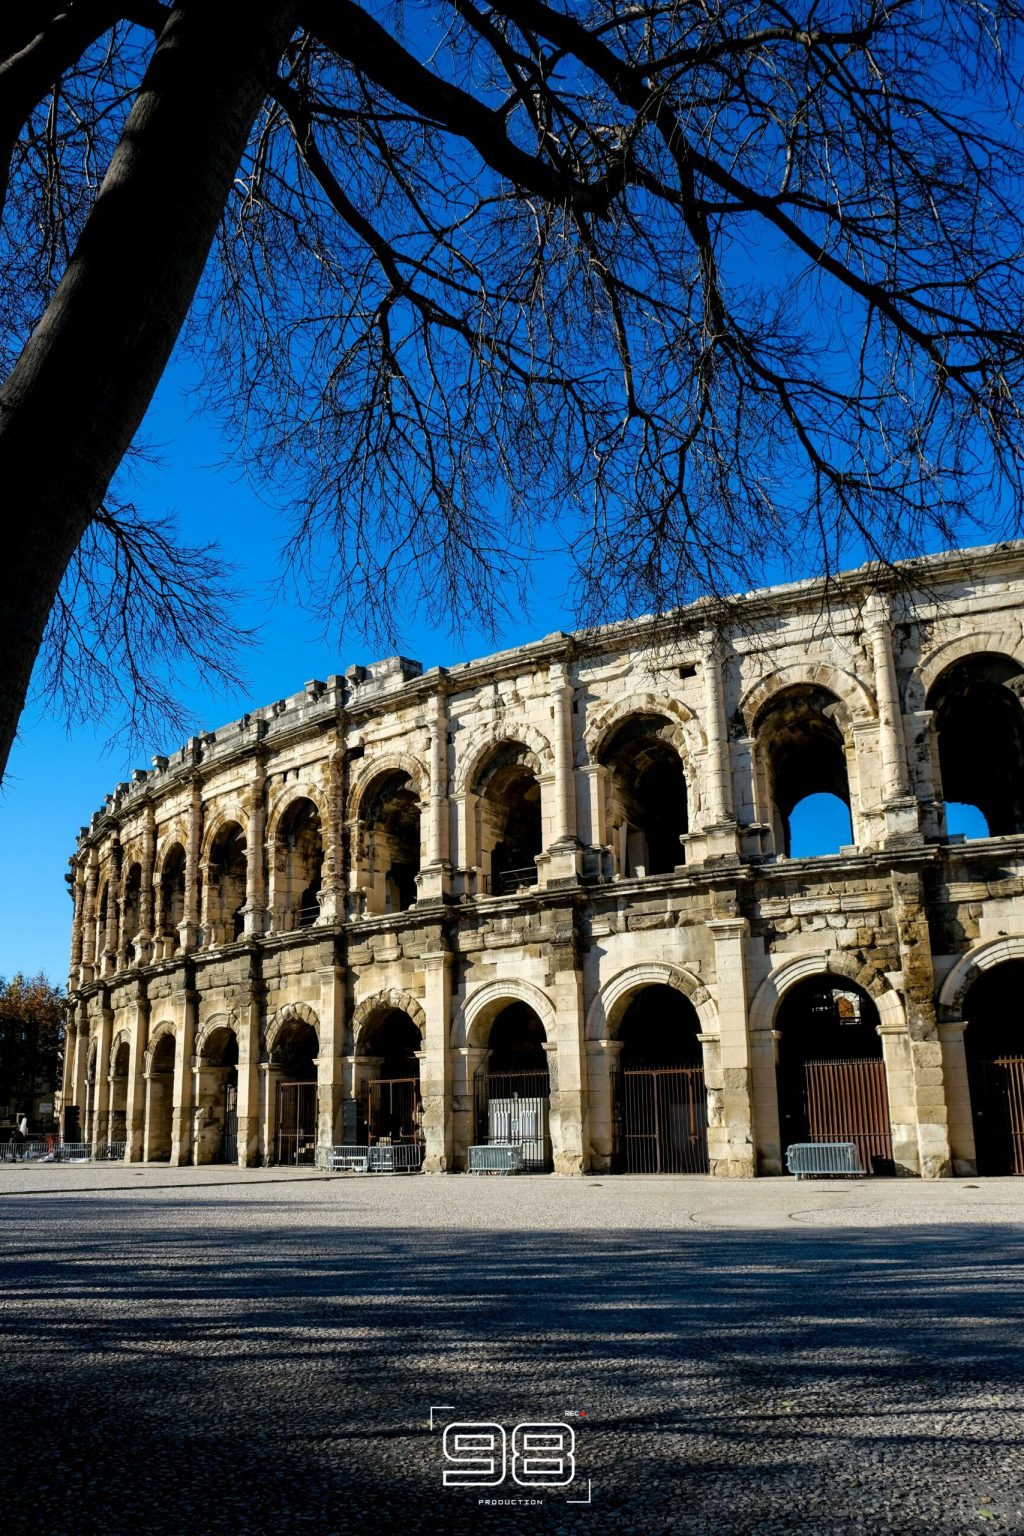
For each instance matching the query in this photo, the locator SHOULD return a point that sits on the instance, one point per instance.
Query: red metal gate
(997, 1099)
(849, 1101)
(296, 1123)
(664, 1120)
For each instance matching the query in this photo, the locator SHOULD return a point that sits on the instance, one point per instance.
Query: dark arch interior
(221, 1049)
(516, 1041)
(300, 834)
(979, 723)
(650, 795)
(803, 744)
(822, 1018)
(172, 889)
(510, 818)
(132, 908)
(296, 1053)
(163, 1055)
(994, 1047)
(396, 1039)
(393, 820)
(121, 1060)
(227, 871)
(659, 1029)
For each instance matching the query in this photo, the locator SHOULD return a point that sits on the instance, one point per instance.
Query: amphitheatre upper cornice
(363, 690)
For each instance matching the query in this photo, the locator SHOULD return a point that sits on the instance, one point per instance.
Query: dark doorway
(661, 1115)
(831, 1075)
(994, 1046)
(648, 810)
(392, 1107)
(513, 1087)
(979, 724)
(297, 1096)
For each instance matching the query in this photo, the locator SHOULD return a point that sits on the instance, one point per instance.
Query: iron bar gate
(296, 1123)
(997, 1099)
(229, 1145)
(839, 1101)
(512, 1107)
(664, 1120)
(393, 1109)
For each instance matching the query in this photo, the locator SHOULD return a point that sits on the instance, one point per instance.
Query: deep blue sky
(55, 783)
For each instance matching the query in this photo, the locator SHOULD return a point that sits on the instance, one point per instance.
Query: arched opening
(509, 812)
(803, 755)
(391, 1108)
(831, 1075)
(994, 1047)
(819, 824)
(298, 860)
(661, 1121)
(226, 894)
(391, 843)
(513, 1088)
(648, 813)
(172, 898)
(102, 915)
(118, 1129)
(979, 726)
(294, 1058)
(217, 1099)
(131, 916)
(160, 1101)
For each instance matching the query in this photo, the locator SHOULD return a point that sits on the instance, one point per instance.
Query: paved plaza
(202, 1350)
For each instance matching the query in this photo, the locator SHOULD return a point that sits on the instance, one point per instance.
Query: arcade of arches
(666, 897)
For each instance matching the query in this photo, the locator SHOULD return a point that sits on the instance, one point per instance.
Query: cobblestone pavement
(201, 1350)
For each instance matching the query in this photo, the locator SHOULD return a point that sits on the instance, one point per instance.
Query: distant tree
(691, 286)
(31, 1040)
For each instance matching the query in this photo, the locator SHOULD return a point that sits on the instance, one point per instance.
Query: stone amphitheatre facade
(549, 896)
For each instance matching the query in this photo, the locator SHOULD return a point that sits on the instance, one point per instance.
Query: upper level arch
(977, 708)
(472, 1023)
(375, 769)
(282, 803)
(983, 957)
(484, 741)
(856, 699)
(1001, 640)
(682, 727)
(647, 789)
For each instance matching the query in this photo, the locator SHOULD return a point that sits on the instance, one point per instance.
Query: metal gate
(229, 1147)
(664, 1120)
(512, 1107)
(997, 1099)
(296, 1123)
(839, 1101)
(392, 1109)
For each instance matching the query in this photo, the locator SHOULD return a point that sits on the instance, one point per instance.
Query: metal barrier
(32, 1149)
(399, 1157)
(824, 1159)
(115, 1151)
(496, 1157)
(47, 1149)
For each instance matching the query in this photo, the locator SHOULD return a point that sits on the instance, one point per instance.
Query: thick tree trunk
(80, 389)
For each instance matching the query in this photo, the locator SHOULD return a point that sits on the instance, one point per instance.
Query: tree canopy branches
(694, 289)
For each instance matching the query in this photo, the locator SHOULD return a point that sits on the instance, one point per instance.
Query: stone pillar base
(434, 882)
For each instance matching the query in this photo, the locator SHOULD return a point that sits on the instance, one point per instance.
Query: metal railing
(508, 881)
(824, 1159)
(496, 1157)
(397, 1157)
(47, 1149)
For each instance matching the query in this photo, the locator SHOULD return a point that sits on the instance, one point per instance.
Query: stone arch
(132, 857)
(162, 1030)
(482, 741)
(611, 1002)
(392, 1000)
(983, 957)
(90, 1065)
(216, 1022)
(1000, 642)
(174, 836)
(215, 827)
(123, 1037)
(377, 767)
(287, 796)
(687, 735)
(773, 989)
(290, 1013)
(857, 699)
(483, 1005)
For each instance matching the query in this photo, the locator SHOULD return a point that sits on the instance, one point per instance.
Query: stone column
(81, 1062)
(188, 931)
(602, 1071)
(88, 968)
(101, 1116)
(562, 856)
(567, 1056)
(913, 1055)
(254, 912)
(249, 1075)
(332, 1040)
(110, 941)
(764, 1056)
(135, 1116)
(720, 821)
(962, 1146)
(433, 883)
(435, 1063)
(182, 1099)
(466, 1062)
(900, 806)
(735, 1157)
(78, 896)
(332, 889)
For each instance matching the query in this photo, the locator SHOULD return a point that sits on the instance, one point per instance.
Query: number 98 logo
(542, 1455)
